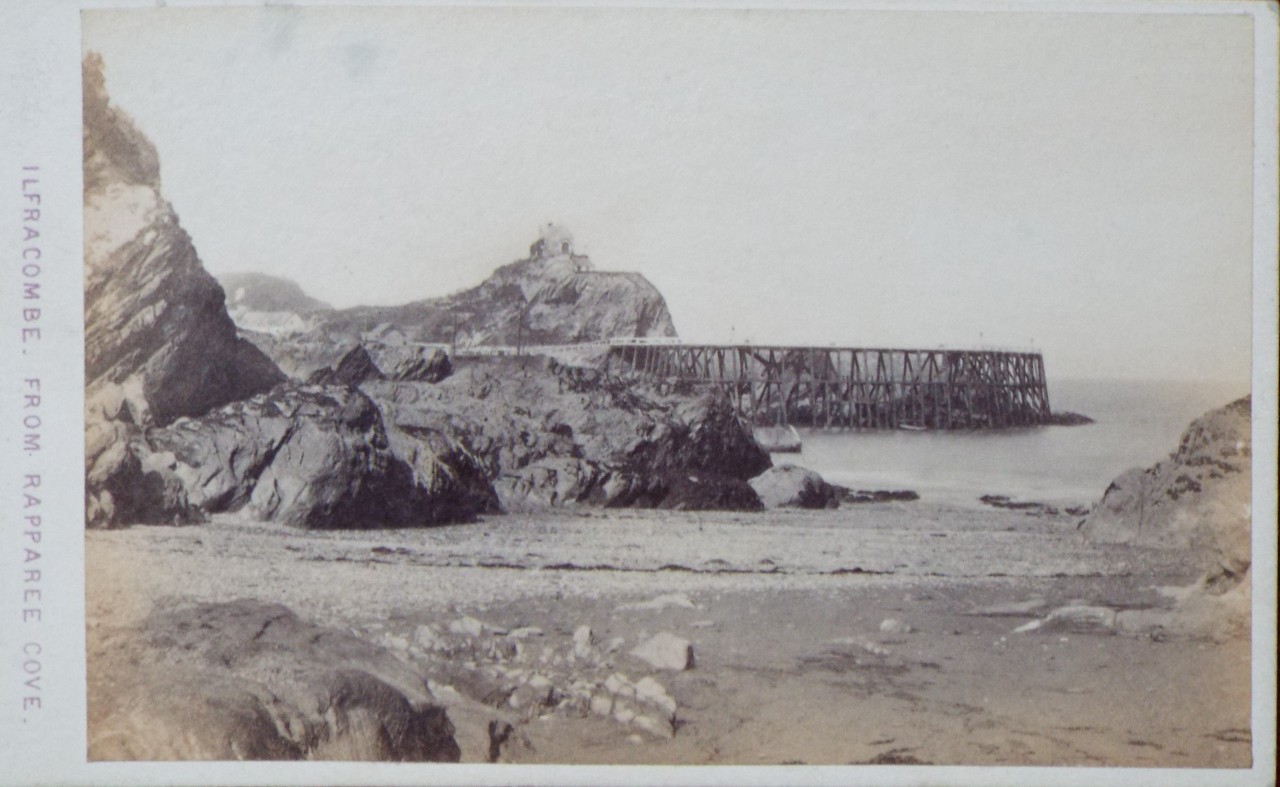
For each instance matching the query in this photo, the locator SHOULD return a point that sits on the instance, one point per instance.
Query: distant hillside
(259, 292)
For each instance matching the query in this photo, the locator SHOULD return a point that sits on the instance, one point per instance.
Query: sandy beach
(879, 633)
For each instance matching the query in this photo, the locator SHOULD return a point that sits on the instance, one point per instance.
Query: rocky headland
(554, 296)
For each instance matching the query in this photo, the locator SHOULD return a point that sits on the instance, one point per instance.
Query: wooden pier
(854, 388)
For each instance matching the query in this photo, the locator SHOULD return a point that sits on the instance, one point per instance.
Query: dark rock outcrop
(423, 368)
(854, 496)
(321, 457)
(789, 486)
(547, 437)
(246, 680)
(1197, 499)
(1032, 507)
(705, 436)
(682, 492)
(355, 367)
(127, 482)
(1067, 418)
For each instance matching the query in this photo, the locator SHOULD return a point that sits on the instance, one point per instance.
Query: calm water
(1138, 423)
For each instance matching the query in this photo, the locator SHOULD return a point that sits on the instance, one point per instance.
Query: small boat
(913, 428)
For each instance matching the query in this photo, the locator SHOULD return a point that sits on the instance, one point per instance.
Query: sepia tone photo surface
(656, 386)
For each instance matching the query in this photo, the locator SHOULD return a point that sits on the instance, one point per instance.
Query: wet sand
(785, 611)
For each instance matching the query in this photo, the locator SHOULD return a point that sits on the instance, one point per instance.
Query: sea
(1137, 423)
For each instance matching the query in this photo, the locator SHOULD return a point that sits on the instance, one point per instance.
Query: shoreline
(786, 612)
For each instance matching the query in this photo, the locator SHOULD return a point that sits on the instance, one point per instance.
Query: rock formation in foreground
(548, 434)
(245, 680)
(320, 457)
(1198, 498)
(1198, 501)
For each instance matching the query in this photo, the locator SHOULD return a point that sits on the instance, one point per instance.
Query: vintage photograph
(699, 386)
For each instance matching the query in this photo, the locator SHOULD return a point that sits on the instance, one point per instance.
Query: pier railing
(854, 388)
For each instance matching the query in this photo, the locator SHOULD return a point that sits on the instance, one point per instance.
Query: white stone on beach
(443, 691)
(1081, 619)
(651, 691)
(427, 638)
(661, 728)
(623, 713)
(618, 683)
(396, 643)
(602, 704)
(467, 626)
(539, 681)
(665, 650)
(582, 639)
(894, 626)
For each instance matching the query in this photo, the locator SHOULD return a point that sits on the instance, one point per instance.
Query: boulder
(706, 493)
(607, 444)
(1199, 499)
(423, 368)
(126, 482)
(705, 437)
(246, 680)
(550, 481)
(354, 368)
(320, 457)
(789, 486)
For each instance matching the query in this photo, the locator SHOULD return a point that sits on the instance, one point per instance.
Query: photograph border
(40, 126)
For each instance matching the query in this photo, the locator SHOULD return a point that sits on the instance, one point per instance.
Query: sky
(1077, 183)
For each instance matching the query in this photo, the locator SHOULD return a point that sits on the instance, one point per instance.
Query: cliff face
(155, 322)
(1198, 498)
